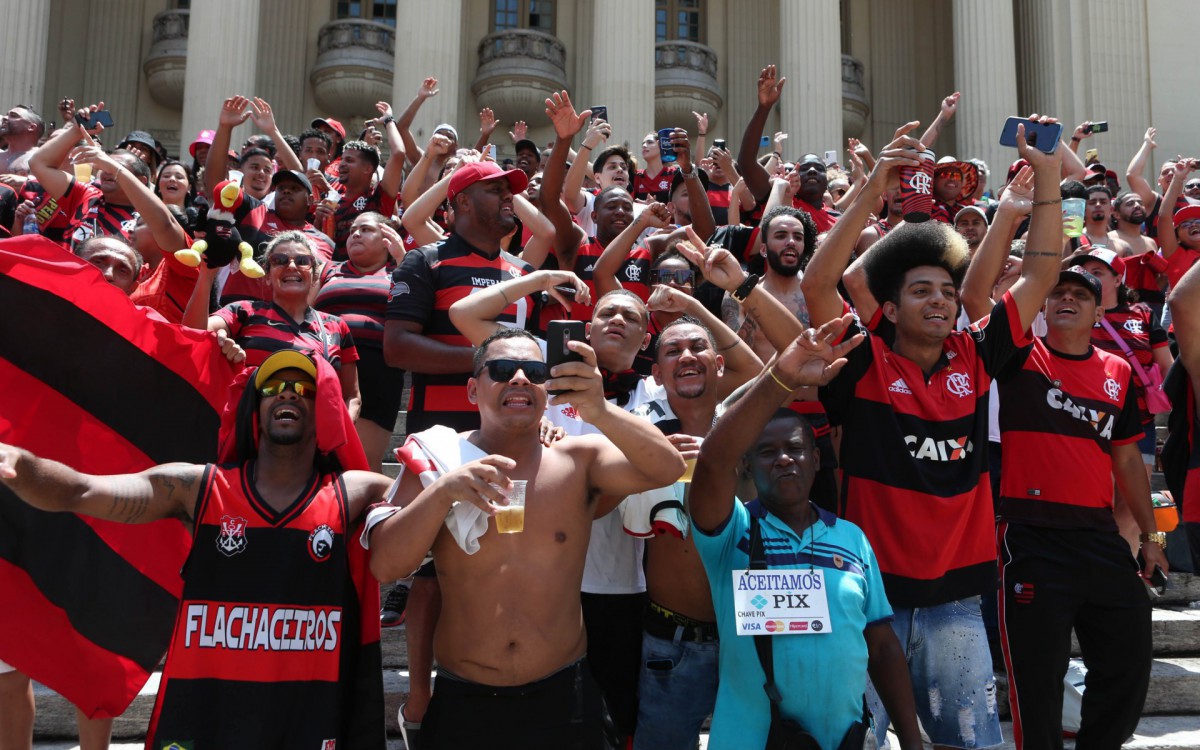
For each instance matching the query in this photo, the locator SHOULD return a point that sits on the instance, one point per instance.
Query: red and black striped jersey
(426, 283)
(91, 215)
(823, 218)
(1060, 415)
(718, 199)
(268, 640)
(348, 210)
(240, 286)
(52, 221)
(1138, 326)
(360, 300)
(657, 187)
(263, 328)
(914, 458)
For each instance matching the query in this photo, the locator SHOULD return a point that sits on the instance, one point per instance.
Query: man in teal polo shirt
(822, 600)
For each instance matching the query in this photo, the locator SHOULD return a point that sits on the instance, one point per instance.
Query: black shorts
(381, 387)
(563, 710)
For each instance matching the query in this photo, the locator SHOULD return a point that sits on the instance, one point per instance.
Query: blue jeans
(677, 692)
(951, 668)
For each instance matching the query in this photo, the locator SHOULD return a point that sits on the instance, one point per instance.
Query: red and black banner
(89, 379)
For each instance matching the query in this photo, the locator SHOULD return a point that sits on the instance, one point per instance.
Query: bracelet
(1048, 203)
(783, 385)
(727, 348)
(583, 146)
(386, 119)
(1076, 140)
(777, 155)
(500, 288)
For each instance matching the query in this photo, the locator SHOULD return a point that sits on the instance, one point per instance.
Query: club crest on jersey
(320, 543)
(178, 746)
(633, 273)
(1112, 389)
(329, 745)
(1134, 326)
(232, 538)
(959, 383)
(399, 288)
(360, 203)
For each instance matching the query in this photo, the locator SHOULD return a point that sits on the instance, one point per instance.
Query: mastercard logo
(775, 626)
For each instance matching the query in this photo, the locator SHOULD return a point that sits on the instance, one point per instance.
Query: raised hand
(717, 264)
(598, 132)
(770, 86)
(562, 114)
(655, 215)
(667, 299)
(1037, 159)
(439, 145)
(519, 130)
(384, 109)
(487, 121)
(429, 88)
(262, 115)
(1148, 139)
(813, 358)
(901, 152)
(701, 122)
(1018, 196)
(950, 104)
(233, 112)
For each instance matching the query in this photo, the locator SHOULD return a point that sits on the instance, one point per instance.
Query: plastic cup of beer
(1072, 213)
(510, 519)
(687, 472)
(83, 173)
(314, 165)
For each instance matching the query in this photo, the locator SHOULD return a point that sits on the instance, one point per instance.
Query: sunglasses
(1190, 223)
(279, 260)
(1192, 186)
(682, 276)
(303, 388)
(503, 370)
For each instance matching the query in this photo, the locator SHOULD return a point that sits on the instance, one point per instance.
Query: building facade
(854, 67)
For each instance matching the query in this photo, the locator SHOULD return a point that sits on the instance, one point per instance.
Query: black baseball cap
(1078, 273)
(527, 145)
(285, 174)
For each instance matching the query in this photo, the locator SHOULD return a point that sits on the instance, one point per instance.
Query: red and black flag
(89, 379)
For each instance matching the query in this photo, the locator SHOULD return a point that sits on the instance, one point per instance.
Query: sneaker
(392, 612)
(410, 731)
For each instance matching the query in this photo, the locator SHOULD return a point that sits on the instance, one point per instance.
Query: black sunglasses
(681, 276)
(279, 260)
(503, 370)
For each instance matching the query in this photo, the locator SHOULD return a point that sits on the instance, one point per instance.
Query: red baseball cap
(205, 136)
(466, 176)
(331, 123)
(1187, 213)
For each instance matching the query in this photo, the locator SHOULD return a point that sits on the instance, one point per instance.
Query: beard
(777, 265)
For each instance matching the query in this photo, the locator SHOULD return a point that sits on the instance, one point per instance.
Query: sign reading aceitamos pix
(780, 602)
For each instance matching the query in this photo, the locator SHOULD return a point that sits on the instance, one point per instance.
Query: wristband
(1048, 203)
(1076, 140)
(783, 385)
(386, 120)
(742, 292)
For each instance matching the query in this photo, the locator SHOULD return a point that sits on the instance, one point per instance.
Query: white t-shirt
(584, 217)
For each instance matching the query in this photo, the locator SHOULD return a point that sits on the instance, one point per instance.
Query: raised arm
(264, 118)
(604, 274)
(429, 88)
(597, 135)
(165, 491)
(1135, 172)
(439, 145)
(168, 235)
(945, 115)
(567, 124)
(418, 216)
(1167, 240)
(388, 121)
(824, 271)
(812, 359)
(988, 261)
(701, 133)
(393, 173)
(758, 180)
(535, 251)
(487, 124)
(475, 315)
(698, 205)
(233, 113)
(46, 161)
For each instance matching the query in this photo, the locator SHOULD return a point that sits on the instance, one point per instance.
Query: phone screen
(600, 112)
(1044, 138)
(764, 141)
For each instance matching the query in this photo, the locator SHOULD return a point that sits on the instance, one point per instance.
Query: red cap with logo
(469, 174)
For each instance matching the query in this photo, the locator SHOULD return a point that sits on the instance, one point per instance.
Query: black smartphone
(100, 117)
(719, 143)
(1158, 579)
(1099, 127)
(1044, 138)
(558, 333)
(600, 112)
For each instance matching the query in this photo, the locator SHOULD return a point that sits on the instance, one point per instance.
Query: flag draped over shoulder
(89, 379)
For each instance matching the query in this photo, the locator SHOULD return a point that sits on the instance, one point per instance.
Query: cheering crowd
(817, 447)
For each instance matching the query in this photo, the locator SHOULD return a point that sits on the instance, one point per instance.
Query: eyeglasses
(303, 388)
(279, 260)
(681, 276)
(1189, 224)
(1192, 186)
(503, 370)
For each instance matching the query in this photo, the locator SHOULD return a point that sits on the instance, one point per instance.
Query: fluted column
(24, 35)
(983, 37)
(745, 24)
(623, 67)
(113, 61)
(1119, 70)
(224, 67)
(892, 72)
(810, 57)
(428, 43)
(282, 72)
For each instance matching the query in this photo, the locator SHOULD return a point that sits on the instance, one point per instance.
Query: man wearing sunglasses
(510, 638)
(270, 585)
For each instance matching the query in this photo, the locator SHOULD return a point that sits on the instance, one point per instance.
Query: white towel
(431, 454)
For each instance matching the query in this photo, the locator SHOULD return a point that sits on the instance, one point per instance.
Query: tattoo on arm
(130, 500)
(1042, 254)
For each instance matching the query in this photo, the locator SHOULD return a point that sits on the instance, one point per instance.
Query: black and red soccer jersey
(52, 222)
(426, 283)
(267, 648)
(718, 199)
(348, 210)
(823, 218)
(657, 187)
(90, 215)
(1141, 274)
(357, 298)
(1138, 327)
(1060, 415)
(914, 458)
(263, 328)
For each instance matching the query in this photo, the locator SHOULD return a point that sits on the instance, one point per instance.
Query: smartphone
(1044, 138)
(558, 333)
(666, 148)
(1091, 154)
(600, 112)
(491, 151)
(719, 143)
(831, 158)
(1099, 127)
(1158, 579)
(764, 141)
(100, 117)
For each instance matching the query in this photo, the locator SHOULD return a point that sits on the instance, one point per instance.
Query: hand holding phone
(600, 112)
(1043, 137)
(719, 143)
(831, 158)
(1099, 127)
(764, 141)
(558, 333)
(98, 118)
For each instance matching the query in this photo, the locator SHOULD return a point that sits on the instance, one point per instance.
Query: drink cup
(510, 519)
(687, 473)
(83, 173)
(1072, 214)
(916, 189)
(314, 165)
(665, 147)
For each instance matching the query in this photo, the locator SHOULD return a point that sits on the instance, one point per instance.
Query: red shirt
(822, 218)
(168, 288)
(657, 187)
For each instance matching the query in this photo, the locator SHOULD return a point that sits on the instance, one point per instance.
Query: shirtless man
(1095, 222)
(510, 640)
(1131, 213)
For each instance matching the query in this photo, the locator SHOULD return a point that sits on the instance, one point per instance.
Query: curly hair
(910, 246)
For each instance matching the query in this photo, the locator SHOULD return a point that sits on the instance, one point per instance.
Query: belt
(661, 622)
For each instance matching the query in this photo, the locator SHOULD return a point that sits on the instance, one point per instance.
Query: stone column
(222, 60)
(24, 35)
(745, 21)
(282, 69)
(1117, 75)
(113, 63)
(892, 72)
(623, 67)
(810, 57)
(983, 39)
(429, 43)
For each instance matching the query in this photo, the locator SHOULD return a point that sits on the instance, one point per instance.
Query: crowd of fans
(867, 396)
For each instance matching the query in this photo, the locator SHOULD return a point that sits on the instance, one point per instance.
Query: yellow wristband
(783, 385)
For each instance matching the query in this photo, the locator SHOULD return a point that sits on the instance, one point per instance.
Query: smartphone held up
(1043, 137)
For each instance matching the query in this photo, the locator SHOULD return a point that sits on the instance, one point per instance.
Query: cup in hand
(1072, 214)
(665, 147)
(916, 189)
(510, 519)
(83, 173)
